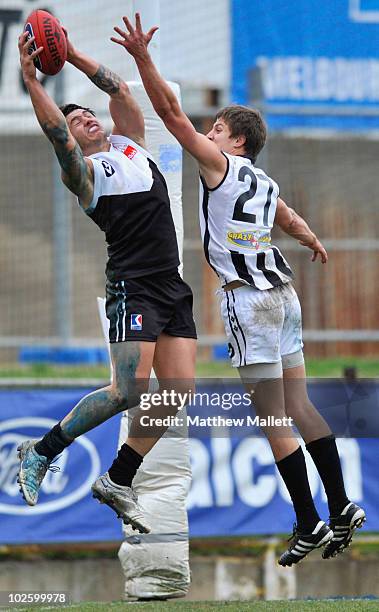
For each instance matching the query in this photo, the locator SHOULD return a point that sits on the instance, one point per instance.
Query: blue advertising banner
(236, 488)
(66, 511)
(311, 64)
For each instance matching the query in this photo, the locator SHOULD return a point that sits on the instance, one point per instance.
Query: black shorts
(143, 308)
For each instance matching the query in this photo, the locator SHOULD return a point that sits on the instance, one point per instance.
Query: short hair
(68, 108)
(248, 122)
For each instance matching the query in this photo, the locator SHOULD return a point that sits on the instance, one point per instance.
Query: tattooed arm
(77, 171)
(125, 112)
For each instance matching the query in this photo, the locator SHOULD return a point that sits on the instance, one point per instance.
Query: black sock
(53, 443)
(125, 466)
(326, 459)
(294, 473)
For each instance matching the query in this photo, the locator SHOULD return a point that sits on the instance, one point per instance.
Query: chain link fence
(332, 182)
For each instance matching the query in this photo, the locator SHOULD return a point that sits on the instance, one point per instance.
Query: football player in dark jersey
(261, 309)
(148, 305)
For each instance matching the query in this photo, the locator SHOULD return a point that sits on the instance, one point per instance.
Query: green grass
(358, 605)
(333, 368)
(42, 370)
(366, 367)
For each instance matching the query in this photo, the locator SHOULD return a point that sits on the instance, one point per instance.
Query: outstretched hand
(136, 41)
(26, 56)
(71, 52)
(318, 249)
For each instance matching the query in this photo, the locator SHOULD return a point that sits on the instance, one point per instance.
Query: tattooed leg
(132, 362)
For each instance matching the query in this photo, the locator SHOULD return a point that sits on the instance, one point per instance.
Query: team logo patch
(231, 351)
(136, 322)
(130, 151)
(255, 241)
(108, 169)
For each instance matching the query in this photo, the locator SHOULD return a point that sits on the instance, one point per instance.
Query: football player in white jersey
(239, 204)
(149, 306)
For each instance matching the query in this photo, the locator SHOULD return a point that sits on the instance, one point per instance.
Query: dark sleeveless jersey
(131, 205)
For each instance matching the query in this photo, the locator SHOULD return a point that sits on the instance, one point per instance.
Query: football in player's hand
(48, 34)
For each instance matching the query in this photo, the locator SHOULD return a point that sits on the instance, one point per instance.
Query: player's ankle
(337, 507)
(125, 466)
(53, 443)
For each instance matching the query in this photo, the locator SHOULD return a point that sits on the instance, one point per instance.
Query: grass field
(365, 368)
(340, 605)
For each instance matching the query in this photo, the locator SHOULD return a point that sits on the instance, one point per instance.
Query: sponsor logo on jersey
(136, 322)
(130, 152)
(108, 169)
(255, 241)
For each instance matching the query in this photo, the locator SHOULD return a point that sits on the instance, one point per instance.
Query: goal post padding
(157, 565)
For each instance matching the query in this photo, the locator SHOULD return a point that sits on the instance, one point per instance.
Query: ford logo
(59, 490)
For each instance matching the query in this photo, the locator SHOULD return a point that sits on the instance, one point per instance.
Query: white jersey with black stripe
(236, 219)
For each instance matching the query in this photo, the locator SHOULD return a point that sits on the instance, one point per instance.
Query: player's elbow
(175, 124)
(122, 91)
(164, 112)
(285, 218)
(169, 112)
(294, 226)
(57, 131)
(294, 221)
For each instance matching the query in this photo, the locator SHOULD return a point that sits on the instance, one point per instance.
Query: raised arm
(77, 171)
(212, 162)
(125, 112)
(295, 226)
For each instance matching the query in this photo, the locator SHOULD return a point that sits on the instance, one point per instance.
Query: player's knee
(299, 408)
(119, 399)
(184, 391)
(178, 395)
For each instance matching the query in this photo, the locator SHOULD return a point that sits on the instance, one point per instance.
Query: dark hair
(68, 108)
(248, 122)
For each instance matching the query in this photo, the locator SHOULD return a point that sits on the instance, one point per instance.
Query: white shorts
(261, 326)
